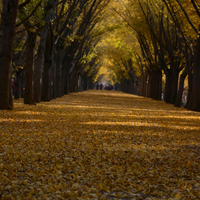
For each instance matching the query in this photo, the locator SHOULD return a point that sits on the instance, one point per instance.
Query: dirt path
(99, 145)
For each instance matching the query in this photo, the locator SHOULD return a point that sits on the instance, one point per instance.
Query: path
(99, 145)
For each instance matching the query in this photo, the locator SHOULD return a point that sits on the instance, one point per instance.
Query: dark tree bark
(66, 80)
(46, 72)
(195, 101)
(31, 41)
(85, 81)
(189, 96)
(46, 82)
(156, 84)
(175, 74)
(80, 82)
(39, 64)
(22, 84)
(143, 84)
(72, 81)
(18, 85)
(77, 82)
(6, 51)
(168, 85)
(181, 87)
(10, 91)
(63, 77)
(53, 78)
(58, 71)
(159, 84)
(149, 83)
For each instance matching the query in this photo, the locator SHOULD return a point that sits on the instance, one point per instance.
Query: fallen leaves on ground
(99, 145)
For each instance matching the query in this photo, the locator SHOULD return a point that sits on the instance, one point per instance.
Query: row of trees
(171, 47)
(165, 49)
(54, 47)
(44, 44)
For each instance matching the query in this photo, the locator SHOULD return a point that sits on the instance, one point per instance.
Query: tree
(7, 41)
(191, 14)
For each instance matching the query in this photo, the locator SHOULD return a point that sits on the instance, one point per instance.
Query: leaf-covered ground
(99, 145)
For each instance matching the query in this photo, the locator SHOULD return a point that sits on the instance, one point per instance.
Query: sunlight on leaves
(99, 145)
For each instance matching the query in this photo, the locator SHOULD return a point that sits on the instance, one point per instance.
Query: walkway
(99, 145)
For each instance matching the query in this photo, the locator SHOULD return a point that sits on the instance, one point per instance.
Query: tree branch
(23, 4)
(196, 31)
(19, 24)
(196, 8)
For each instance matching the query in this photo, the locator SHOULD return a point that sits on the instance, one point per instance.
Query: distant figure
(108, 87)
(101, 86)
(97, 86)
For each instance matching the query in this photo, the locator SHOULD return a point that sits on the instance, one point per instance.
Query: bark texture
(28, 96)
(6, 51)
(195, 101)
(39, 64)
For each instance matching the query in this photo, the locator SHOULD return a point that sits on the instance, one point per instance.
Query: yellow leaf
(178, 196)
(75, 186)
(118, 195)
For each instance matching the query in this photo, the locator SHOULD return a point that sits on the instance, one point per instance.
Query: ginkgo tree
(190, 14)
(64, 42)
(55, 38)
(8, 22)
(115, 49)
(160, 30)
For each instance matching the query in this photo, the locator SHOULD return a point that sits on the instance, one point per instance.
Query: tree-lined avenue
(99, 145)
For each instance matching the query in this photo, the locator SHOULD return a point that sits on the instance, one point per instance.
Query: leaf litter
(99, 145)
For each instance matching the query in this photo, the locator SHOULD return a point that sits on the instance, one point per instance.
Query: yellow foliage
(99, 144)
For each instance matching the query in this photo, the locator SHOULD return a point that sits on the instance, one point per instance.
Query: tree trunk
(195, 104)
(53, 83)
(22, 84)
(45, 96)
(85, 82)
(18, 85)
(72, 82)
(156, 84)
(159, 83)
(10, 91)
(175, 74)
(143, 84)
(66, 86)
(81, 83)
(149, 83)
(152, 84)
(39, 64)
(189, 96)
(168, 84)
(131, 86)
(31, 41)
(181, 87)
(77, 81)
(63, 77)
(58, 71)
(6, 52)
